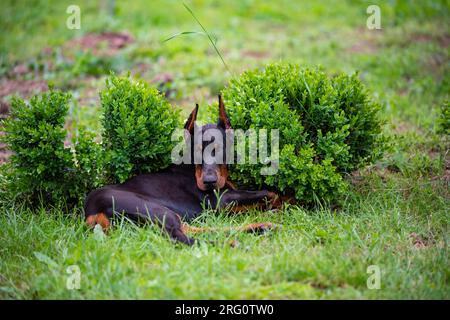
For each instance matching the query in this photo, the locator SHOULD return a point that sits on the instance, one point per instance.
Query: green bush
(137, 122)
(89, 163)
(137, 126)
(42, 170)
(327, 127)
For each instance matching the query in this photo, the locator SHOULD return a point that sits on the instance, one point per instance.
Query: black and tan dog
(176, 193)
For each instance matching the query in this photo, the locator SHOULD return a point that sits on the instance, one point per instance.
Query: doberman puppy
(176, 193)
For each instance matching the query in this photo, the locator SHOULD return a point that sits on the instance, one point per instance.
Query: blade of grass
(206, 33)
(184, 33)
(209, 37)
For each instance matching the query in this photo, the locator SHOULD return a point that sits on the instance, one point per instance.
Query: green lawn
(396, 215)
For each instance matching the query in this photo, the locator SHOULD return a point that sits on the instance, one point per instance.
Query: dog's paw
(274, 200)
(98, 219)
(233, 243)
(260, 227)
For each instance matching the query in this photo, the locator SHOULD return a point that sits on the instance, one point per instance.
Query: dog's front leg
(244, 200)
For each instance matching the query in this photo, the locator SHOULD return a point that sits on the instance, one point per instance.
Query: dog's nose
(209, 180)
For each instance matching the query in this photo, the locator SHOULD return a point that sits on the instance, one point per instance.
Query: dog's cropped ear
(223, 122)
(190, 123)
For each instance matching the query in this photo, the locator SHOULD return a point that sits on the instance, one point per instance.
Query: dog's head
(212, 173)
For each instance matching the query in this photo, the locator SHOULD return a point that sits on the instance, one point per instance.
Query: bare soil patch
(365, 41)
(23, 88)
(103, 44)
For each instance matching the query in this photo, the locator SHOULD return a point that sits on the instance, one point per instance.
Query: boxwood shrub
(137, 126)
(42, 170)
(328, 126)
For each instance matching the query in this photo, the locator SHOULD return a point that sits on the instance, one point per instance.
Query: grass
(395, 215)
(317, 254)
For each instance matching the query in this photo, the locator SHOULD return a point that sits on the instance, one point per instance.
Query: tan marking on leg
(252, 227)
(274, 200)
(244, 208)
(195, 230)
(103, 221)
(91, 221)
(277, 201)
(233, 243)
(99, 218)
(258, 227)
